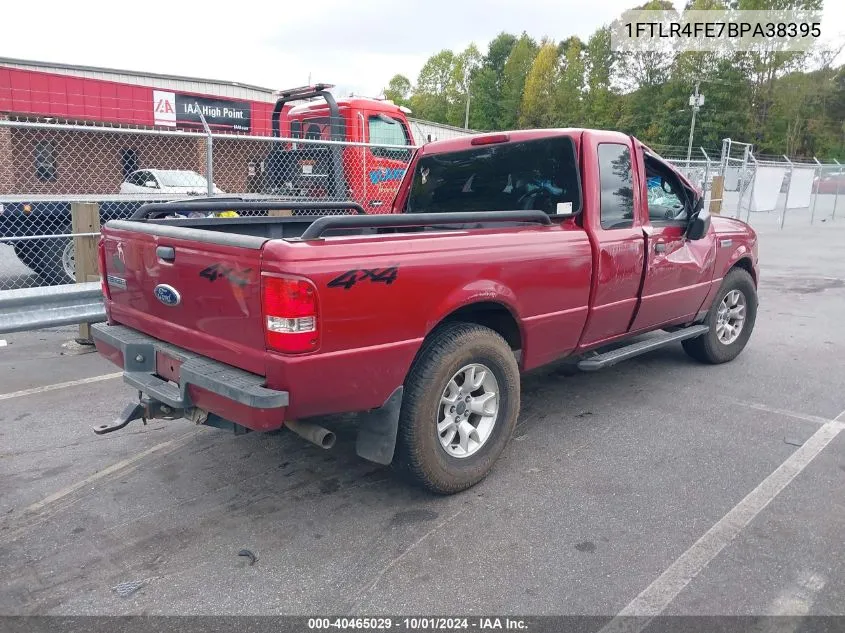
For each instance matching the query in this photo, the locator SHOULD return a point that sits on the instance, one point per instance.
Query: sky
(356, 44)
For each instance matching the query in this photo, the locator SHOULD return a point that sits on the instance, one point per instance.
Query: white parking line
(61, 385)
(785, 412)
(163, 447)
(654, 599)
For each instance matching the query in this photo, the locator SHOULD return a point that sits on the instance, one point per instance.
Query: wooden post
(85, 218)
(279, 213)
(717, 192)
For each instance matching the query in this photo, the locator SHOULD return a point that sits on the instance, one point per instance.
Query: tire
(711, 347)
(25, 252)
(49, 259)
(420, 450)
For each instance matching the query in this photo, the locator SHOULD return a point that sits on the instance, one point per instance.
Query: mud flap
(378, 429)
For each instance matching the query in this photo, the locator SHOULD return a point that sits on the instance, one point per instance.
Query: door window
(617, 191)
(667, 199)
(385, 130)
(144, 177)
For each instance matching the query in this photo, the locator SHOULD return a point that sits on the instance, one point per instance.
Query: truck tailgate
(200, 295)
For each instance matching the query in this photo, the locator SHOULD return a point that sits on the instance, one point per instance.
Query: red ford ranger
(503, 252)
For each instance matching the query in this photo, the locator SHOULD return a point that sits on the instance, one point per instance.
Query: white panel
(767, 183)
(800, 188)
(731, 179)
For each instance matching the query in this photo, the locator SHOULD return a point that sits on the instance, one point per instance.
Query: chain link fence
(47, 168)
(763, 189)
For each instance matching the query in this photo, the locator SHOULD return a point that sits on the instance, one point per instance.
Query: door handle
(167, 253)
(660, 247)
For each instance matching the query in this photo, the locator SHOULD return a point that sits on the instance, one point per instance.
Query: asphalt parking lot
(657, 486)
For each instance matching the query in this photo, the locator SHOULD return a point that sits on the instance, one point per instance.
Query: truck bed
(370, 290)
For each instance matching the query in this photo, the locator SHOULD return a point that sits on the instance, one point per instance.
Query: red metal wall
(42, 94)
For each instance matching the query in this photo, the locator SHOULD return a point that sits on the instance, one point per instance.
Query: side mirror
(699, 225)
(151, 184)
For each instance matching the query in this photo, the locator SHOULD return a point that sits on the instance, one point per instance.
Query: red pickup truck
(504, 252)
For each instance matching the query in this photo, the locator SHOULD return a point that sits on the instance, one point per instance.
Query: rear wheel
(459, 409)
(730, 320)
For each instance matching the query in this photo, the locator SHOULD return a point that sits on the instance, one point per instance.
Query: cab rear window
(539, 174)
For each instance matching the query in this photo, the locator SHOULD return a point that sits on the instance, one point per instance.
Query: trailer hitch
(145, 409)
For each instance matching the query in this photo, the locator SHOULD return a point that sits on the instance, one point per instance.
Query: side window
(665, 194)
(313, 132)
(617, 191)
(144, 177)
(385, 130)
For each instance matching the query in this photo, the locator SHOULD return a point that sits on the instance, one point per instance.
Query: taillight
(101, 259)
(290, 314)
(489, 139)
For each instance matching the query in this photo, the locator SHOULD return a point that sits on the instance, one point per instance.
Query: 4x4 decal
(351, 277)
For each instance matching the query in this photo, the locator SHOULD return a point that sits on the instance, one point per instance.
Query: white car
(168, 181)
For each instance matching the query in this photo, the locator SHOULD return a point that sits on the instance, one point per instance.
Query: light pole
(696, 101)
(466, 83)
(466, 114)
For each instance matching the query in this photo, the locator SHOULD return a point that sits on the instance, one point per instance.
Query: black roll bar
(309, 92)
(323, 224)
(166, 208)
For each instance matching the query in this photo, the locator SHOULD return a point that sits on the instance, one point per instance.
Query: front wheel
(730, 320)
(459, 409)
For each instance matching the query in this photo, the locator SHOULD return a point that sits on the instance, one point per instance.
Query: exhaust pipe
(314, 433)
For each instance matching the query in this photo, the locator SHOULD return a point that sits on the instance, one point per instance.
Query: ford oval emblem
(168, 295)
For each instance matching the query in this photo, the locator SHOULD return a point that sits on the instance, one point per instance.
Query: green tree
(514, 74)
(541, 84)
(783, 102)
(431, 94)
(766, 66)
(600, 102)
(486, 85)
(647, 68)
(398, 89)
(569, 94)
(464, 69)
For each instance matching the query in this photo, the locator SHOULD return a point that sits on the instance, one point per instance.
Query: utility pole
(466, 115)
(466, 83)
(696, 100)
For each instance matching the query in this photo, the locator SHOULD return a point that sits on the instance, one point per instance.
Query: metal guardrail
(37, 308)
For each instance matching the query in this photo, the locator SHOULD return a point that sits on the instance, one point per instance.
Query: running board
(600, 361)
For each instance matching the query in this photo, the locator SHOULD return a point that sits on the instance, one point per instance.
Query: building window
(45, 160)
(129, 162)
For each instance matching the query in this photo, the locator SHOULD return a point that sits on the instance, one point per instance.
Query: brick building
(77, 130)
(51, 154)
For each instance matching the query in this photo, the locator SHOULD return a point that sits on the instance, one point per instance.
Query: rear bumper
(182, 379)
